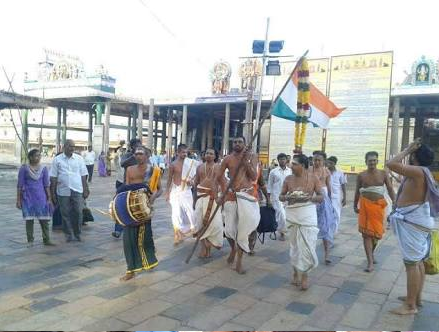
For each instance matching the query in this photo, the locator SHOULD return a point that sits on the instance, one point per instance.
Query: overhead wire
(165, 27)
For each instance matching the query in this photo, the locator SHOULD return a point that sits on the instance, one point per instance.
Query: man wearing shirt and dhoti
(179, 194)
(206, 192)
(417, 203)
(338, 188)
(274, 187)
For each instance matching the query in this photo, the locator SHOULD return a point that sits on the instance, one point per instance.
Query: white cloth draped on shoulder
(188, 171)
(241, 218)
(302, 231)
(182, 208)
(182, 201)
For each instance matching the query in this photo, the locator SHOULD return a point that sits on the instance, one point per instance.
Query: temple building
(63, 101)
(414, 110)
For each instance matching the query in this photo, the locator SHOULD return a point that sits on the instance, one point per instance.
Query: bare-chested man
(179, 194)
(302, 191)
(412, 222)
(138, 243)
(205, 203)
(370, 205)
(241, 208)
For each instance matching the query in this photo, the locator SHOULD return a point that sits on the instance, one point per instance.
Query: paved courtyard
(75, 286)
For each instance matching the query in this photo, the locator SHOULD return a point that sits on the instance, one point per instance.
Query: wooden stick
(267, 114)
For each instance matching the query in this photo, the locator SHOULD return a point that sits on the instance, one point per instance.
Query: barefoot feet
(404, 310)
(231, 257)
(404, 298)
(295, 281)
(127, 277)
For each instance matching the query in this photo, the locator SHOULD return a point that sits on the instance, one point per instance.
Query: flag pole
(204, 228)
(328, 91)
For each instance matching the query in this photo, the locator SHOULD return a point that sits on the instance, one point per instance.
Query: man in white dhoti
(274, 187)
(241, 208)
(301, 191)
(338, 188)
(206, 194)
(179, 194)
(417, 203)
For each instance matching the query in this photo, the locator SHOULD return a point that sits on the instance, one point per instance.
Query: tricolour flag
(321, 108)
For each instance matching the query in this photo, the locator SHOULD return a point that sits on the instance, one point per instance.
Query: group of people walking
(211, 200)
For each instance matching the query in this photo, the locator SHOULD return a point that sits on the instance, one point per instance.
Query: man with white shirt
(68, 185)
(89, 159)
(338, 188)
(274, 187)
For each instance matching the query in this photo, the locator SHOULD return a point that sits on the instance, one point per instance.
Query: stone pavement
(75, 286)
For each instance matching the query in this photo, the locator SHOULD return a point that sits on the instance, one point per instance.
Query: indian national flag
(321, 108)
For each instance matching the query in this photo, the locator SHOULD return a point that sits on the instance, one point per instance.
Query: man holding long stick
(236, 167)
(241, 209)
(205, 204)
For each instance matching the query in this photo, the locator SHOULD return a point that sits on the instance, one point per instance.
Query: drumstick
(229, 186)
(100, 211)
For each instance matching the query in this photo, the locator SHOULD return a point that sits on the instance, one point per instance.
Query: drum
(131, 208)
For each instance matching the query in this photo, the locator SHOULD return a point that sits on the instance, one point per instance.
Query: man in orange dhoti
(371, 214)
(370, 205)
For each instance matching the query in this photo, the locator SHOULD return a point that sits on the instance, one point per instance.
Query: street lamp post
(264, 61)
(273, 68)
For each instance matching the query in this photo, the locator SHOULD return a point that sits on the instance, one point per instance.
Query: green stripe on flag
(282, 110)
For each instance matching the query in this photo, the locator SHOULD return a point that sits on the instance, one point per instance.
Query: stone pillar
(419, 123)
(395, 127)
(210, 130)
(90, 128)
(156, 130)
(150, 143)
(99, 111)
(169, 137)
(64, 125)
(24, 135)
(406, 127)
(106, 143)
(163, 142)
(134, 123)
(58, 131)
(184, 126)
(129, 127)
(140, 122)
(225, 147)
(175, 138)
(203, 136)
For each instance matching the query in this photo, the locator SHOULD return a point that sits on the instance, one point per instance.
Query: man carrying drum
(138, 243)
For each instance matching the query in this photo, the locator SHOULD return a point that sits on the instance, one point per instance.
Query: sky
(166, 48)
